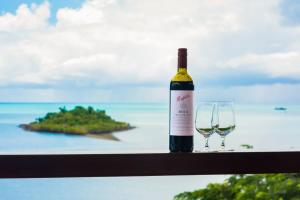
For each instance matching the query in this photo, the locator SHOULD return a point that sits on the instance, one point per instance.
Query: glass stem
(206, 144)
(223, 143)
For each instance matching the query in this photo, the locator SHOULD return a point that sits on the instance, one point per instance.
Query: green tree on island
(249, 187)
(79, 120)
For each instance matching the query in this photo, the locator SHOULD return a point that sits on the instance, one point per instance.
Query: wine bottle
(181, 118)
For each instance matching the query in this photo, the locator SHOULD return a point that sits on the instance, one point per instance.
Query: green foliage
(79, 120)
(63, 109)
(249, 187)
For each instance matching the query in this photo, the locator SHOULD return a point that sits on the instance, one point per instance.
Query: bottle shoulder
(182, 77)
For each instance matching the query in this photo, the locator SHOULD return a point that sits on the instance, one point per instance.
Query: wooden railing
(147, 164)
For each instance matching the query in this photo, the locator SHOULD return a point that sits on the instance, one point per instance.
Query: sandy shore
(104, 136)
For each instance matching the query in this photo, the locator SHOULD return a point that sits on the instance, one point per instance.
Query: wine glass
(226, 120)
(206, 120)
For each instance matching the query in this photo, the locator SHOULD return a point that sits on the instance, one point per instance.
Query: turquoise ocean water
(258, 125)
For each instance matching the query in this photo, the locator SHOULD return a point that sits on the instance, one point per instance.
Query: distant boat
(280, 108)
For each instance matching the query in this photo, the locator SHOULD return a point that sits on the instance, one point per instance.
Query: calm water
(258, 125)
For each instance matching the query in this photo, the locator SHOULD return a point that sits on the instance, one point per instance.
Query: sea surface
(258, 125)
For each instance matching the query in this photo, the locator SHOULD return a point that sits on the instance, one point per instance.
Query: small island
(78, 121)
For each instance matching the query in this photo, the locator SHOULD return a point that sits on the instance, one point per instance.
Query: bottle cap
(182, 58)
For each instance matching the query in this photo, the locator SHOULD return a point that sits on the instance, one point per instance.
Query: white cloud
(88, 14)
(26, 18)
(274, 64)
(134, 42)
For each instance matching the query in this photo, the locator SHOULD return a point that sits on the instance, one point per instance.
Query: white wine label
(181, 113)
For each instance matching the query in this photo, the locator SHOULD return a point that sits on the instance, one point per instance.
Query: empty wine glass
(206, 120)
(226, 120)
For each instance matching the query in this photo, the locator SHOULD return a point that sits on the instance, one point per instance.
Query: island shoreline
(108, 135)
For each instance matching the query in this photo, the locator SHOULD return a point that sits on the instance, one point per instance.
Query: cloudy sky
(126, 50)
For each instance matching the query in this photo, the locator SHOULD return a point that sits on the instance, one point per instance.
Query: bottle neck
(182, 58)
(182, 70)
(182, 61)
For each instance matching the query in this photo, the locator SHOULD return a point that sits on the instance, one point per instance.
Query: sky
(126, 50)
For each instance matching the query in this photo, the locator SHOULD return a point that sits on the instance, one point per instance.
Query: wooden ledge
(147, 164)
